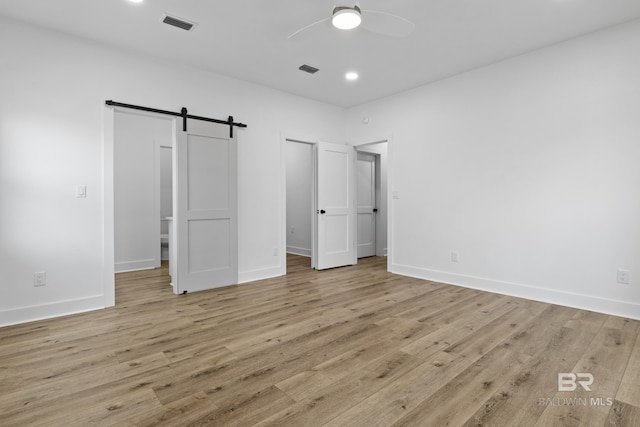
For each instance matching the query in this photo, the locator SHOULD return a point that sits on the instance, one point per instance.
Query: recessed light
(351, 75)
(136, 1)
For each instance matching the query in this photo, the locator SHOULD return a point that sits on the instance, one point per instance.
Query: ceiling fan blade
(307, 27)
(386, 24)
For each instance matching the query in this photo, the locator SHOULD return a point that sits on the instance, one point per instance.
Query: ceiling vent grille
(308, 69)
(179, 23)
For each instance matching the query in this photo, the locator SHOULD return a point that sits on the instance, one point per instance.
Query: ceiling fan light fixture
(346, 18)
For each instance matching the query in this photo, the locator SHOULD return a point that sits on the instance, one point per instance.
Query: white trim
(388, 138)
(372, 141)
(390, 210)
(108, 228)
(282, 206)
(260, 274)
(282, 223)
(108, 221)
(144, 264)
(299, 251)
(157, 252)
(47, 311)
(519, 290)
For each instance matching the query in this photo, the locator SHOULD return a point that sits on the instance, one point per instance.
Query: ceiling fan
(351, 17)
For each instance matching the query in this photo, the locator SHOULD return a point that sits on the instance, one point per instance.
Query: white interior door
(366, 172)
(335, 206)
(205, 207)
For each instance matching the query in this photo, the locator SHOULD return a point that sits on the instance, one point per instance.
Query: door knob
(322, 211)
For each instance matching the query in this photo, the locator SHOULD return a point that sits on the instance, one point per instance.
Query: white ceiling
(247, 39)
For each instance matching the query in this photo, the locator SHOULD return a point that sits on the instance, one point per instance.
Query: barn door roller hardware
(183, 113)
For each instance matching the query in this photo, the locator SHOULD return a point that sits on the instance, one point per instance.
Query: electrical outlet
(623, 276)
(454, 256)
(39, 278)
(275, 251)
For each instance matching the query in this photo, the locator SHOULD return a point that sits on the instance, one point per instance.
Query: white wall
(166, 187)
(51, 138)
(527, 168)
(299, 197)
(137, 144)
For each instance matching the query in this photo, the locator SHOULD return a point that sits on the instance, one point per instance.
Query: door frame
(286, 137)
(312, 191)
(108, 219)
(315, 143)
(325, 155)
(108, 196)
(386, 198)
(377, 201)
(310, 139)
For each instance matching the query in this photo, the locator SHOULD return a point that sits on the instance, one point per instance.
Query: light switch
(81, 191)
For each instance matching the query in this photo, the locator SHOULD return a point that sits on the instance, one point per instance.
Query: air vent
(308, 69)
(177, 22)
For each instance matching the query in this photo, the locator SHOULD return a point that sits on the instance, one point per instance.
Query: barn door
(205, 207)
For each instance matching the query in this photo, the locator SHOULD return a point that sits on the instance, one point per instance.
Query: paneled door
(205, 207)
(335, 206)
(366, 171)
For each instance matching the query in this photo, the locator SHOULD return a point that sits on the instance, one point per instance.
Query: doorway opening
(372, 170)
(302, 213)
(300, 197)
(141, 145)
(134, 143)
(367, 188)
(156, 177)
(166, 199)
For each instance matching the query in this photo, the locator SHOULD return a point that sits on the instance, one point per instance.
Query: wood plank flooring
(353, 346)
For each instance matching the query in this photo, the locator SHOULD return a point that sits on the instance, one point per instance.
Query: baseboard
(299, 251)
(145, 264)
(48, 311)
(261, 274)
(551, 296)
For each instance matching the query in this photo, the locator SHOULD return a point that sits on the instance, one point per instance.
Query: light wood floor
(354, 346)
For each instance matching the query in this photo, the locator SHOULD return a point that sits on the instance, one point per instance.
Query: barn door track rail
(183, 113)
